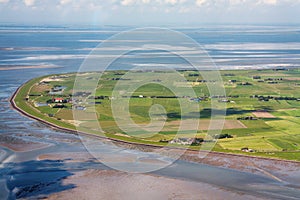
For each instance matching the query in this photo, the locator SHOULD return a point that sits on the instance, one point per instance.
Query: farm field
(262, 110)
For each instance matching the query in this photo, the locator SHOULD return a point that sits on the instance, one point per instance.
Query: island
(262, 110)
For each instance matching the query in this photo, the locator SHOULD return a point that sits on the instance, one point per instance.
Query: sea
(230, 47)
(31, 51)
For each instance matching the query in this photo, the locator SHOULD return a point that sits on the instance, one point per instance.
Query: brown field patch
(263, 114)
(188, 125)
(205, 124)
(82, 115)
(287, 109)
(266, 75)
(40, 88)
(292, 78)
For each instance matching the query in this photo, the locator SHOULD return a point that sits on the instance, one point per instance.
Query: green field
(262, 110)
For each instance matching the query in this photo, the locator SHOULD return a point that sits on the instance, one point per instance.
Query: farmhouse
(256, 77)
(247, 118)
(229, 74)
(37, 104)
(82, 94)
(197, 100)
(57, 90)
(58, 100)
(245, 83)
(79, 107)
(246, 149)
(223, 101)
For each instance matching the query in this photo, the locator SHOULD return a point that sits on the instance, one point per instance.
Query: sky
(149, 12)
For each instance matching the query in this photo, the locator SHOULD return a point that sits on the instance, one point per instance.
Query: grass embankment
(21, 103)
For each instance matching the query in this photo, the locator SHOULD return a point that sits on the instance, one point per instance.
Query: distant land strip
(17, 67)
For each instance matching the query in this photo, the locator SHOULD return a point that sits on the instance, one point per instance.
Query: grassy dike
(18, 101)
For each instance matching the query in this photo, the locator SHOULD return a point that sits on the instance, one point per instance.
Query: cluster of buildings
(247, 118)
(268, 80)
(268, 98)
(57, 90)
(187, 141)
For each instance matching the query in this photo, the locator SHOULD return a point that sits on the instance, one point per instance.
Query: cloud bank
(150, 11)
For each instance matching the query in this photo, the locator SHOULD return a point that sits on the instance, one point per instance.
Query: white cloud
(172, 2)
(29, 2)
(277, 2)
(127, 2)
(201, 2)
(269, 2)
(235, 2)
(63, 2)
(153, 11)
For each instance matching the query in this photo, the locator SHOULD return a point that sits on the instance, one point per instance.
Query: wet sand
(284, 171)
(103, 184)
(70, 157)
(18, 145)
(279, 170)
(93, 184)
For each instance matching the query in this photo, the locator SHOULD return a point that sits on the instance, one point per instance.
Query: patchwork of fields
(262, 110)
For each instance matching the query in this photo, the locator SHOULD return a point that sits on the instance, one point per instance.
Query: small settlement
(56, 96)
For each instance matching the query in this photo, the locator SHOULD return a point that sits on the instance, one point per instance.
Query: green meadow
(262, 110)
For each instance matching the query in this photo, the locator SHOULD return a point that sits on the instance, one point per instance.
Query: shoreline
(140, 146)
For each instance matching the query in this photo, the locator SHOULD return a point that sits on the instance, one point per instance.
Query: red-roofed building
(58, 100)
